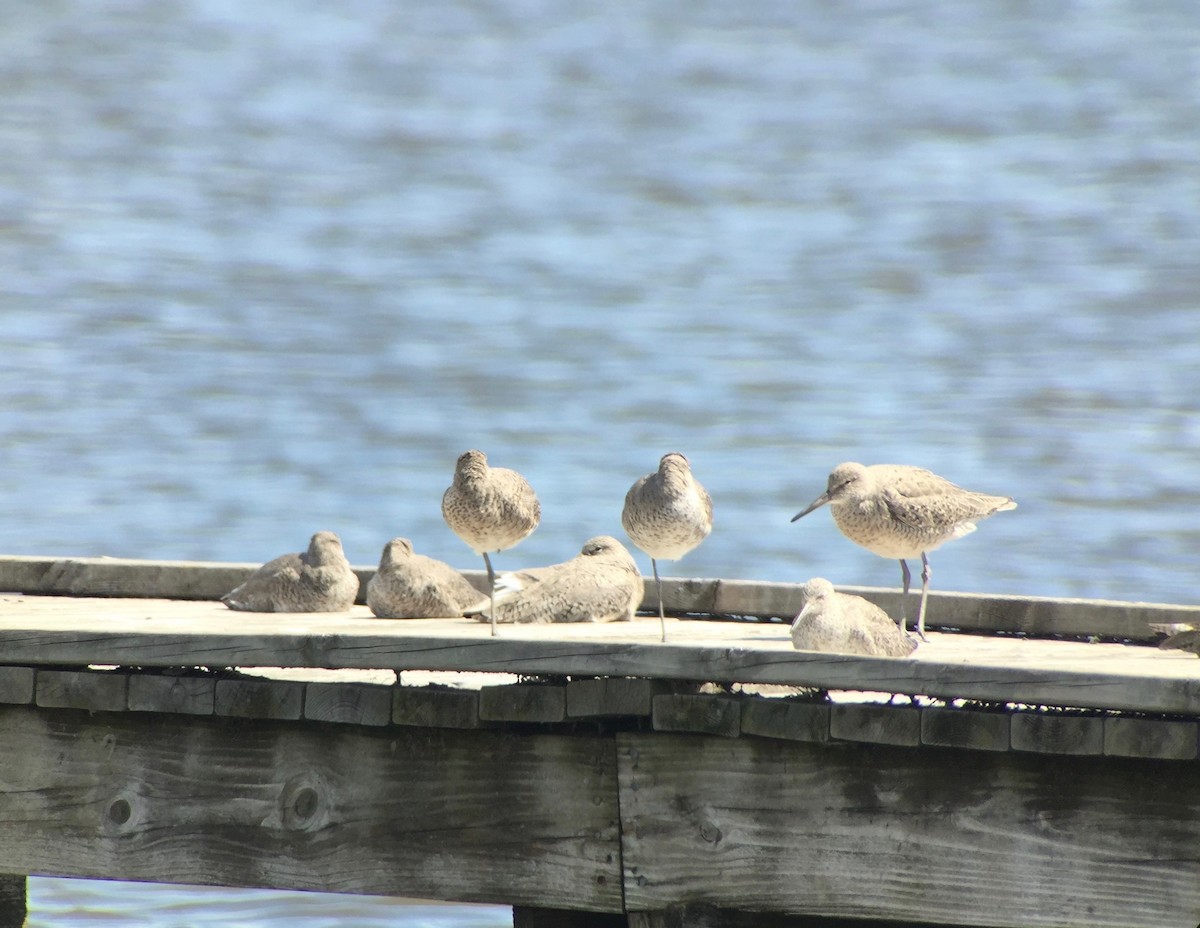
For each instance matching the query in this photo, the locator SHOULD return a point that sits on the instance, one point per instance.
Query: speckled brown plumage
(897, 511)
(317, 580)
(667, 514)
(833, 621)
(600, 584)
(489, 508)
(413, 586)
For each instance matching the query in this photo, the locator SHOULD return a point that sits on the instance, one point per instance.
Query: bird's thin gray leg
(491, 590)
(926, 573)
(904, 596)
(662, 617)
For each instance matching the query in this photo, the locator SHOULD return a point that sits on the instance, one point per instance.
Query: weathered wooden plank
(785, 718)
(259, 699)
(612, 696)
(348, 703)
(99, 691)
(63, 631)
(878, 724)
(872, 831)
(965, 728)
(470, 816)
(436, 707)
(516, 702)
(562, 918)
(16, 684)
(191, 580)
(698, 712)
(1132, 737)
(1056, 733)
(12, 901)
(168, 692)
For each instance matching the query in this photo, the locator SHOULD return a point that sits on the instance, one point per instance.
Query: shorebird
(833, 621)
(1181, 635)
(413, 586)
(667, 514)
(491, 509)
(899, 512)
(600, 584)
(316, 580)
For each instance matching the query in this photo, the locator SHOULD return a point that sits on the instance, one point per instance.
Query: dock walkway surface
(1043, 772)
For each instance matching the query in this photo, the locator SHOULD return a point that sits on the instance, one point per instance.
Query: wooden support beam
(472, 816)
(897, 833)
(13, 906)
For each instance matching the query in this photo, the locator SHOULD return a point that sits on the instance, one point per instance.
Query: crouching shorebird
(833, 621)
(600, 584)
(667, 514)
(317, 580)
(491, 509)
(899, 512)
(413, 586)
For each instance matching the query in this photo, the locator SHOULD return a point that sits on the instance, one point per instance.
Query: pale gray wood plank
(470, 816)
(699, 712)
(179, 693)
(872, 831)
(1133, 737)
(16, 684)
(964, 728)
(1057, 733)
(259, 699)
(348, 703)
(516, 702)
(190, 580)
(785, 718)
(878, 724)
(436, 707)
(99, 691)
(66, 631)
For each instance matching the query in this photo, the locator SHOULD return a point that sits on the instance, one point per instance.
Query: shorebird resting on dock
(899, 512)
(833, 621)
(491, 509)
(413, 586)
(667, 514)
(600, 584)
(1181, 635)
(316, 580)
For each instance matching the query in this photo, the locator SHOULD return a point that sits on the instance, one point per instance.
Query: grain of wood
(521, 703)
(783, 718)
(684, 712)
(898, 725)
(436, 707)
(460, 816)
(16, 684)
(872, 831)
(69, 631)
(964, 728)
(612, 696)
(1057, 733)
(1132, 737)
(101, 691)
(348, 703)
(259, 699)
(172, 693)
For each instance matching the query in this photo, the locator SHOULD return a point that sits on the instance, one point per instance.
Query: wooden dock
(1043, 772)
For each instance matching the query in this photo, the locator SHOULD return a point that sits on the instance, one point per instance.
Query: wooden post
(12, 901)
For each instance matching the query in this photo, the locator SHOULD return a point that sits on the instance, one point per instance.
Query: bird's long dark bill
(815, 504)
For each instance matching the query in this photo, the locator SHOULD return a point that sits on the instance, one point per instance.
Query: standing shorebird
(491, 509)
(600, 584)
(897, 511)
(833, 621)
(667, 514)
(413, 586)
(317, 580)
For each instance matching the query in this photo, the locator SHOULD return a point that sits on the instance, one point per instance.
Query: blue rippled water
(268, 268)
